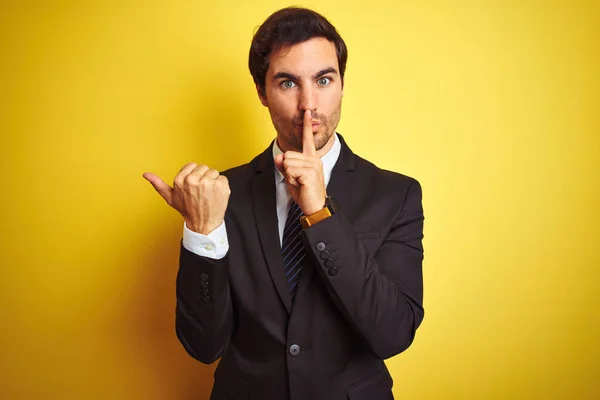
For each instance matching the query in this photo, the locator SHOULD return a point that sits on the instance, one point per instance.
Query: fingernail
(309, 113)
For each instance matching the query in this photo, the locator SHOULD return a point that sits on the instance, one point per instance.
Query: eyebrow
(287, 75)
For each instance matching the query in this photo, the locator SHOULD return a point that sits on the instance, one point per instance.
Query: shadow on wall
(224, 125)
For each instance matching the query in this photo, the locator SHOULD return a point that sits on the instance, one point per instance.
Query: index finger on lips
(308, 141)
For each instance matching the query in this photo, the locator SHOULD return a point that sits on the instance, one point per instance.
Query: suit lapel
(265, 215)
(341, 181)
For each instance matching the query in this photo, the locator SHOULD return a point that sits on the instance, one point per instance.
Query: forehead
(304, 58)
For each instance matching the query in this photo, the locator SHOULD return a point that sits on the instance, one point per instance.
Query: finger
(295, 174)
(200, 170)
(224, 183)
(223, 179)
(279, 162)
(298, 164)
(308, 141)
(293, 154)
(183, 172)
(188, 167)
(211, 174)
(303, 175)
(194, 175)
(291, 180)
(163, 189)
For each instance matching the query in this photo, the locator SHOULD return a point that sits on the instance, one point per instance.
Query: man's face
(303, 77)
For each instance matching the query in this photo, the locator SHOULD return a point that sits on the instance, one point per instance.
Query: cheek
(331, 97)
(282, 108)
(332, 102)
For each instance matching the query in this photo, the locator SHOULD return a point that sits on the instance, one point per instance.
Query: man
(300, 298)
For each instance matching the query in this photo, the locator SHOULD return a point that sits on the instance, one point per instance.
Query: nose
(308, 98)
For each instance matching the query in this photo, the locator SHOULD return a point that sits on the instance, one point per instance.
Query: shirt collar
(328, 159)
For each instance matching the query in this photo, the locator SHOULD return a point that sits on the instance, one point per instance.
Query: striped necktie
(292, 249)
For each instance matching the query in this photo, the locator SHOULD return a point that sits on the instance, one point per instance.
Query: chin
(322, 140)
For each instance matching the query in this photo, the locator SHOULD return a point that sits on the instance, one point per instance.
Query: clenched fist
(199, 193)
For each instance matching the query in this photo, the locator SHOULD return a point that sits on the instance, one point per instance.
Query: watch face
(329, 203)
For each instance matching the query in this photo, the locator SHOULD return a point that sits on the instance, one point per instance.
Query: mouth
(315, 126)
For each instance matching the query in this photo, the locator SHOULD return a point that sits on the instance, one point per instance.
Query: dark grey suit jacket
(359, 299)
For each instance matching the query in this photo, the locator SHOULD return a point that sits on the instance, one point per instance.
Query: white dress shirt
(215, 245)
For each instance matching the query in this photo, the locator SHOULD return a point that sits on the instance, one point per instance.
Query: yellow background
(493, 106)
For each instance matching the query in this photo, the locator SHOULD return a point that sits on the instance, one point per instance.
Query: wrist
(312, 210)
(202, 229)
(314, 206)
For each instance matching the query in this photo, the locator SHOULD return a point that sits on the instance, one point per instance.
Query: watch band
(328, 210)
(310, 220)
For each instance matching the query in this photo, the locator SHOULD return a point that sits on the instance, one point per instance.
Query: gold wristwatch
(328, 210)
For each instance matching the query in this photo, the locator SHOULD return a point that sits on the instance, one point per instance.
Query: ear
(261, 96)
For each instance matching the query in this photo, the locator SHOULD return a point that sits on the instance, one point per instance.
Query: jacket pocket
(228, 386)
(375, 387)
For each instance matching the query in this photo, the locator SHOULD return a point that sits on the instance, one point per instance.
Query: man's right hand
(199, 193)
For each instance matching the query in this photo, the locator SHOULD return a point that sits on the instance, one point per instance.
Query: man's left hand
(303, 172)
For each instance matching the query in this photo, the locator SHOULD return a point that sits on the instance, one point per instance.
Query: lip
(314, 125)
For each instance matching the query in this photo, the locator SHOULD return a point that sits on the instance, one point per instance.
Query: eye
(324, 81)
(288, 84)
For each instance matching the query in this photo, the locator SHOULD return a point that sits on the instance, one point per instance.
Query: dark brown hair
(286, 27)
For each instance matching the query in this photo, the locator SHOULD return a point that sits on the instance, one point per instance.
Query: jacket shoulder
(240, 175)
(384, 177)
(238, 172)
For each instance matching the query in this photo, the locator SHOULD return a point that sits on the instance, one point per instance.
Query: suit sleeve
(380, 295)
(204, 315)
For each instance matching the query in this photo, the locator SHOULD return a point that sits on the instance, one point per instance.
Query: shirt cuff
(214, 245)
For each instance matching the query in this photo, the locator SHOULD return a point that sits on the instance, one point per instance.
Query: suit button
(325, 255)
(320, 246)
(294, 350)
(333, 271)
(204, 276)
(204, 284)
(329, 263)
(206, 299)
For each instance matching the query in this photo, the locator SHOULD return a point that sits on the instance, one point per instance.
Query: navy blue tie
(292, 249)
